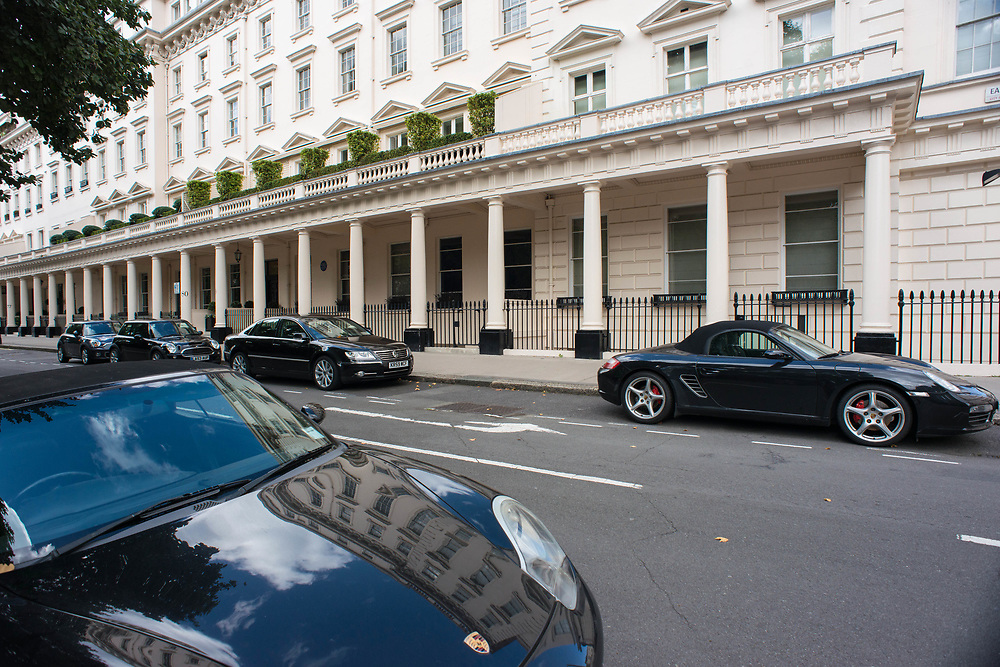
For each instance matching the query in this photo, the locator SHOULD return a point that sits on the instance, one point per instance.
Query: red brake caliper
(856, 419)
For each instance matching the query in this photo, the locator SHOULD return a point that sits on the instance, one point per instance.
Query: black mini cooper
(87, 341)
(330, 350)
(162, 339)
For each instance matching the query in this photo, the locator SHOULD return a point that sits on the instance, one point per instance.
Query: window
(513, 607)
(120, 154)
(344, 4)
(347, 71)
(203, 66)
(345, 513)
(233, 117)
(404, 548)
(398, 140)
(231, 53)
(350, 487)
(302, 12)
(812, 241)
(978, 36)
(54, 175)
(399, 269)
(304, 86)
(265, 33)
(206, 286)
(687, 67)
(453, 125)
(517, 264)
(449, 549)
(515, 15)
(420, 521)
(38, 155)
(578, 255)
(265, 104)
(450, 253)
(178, 81)
(345, 155)
(69, 179)
(451, 29)
(175, 11)
(375, 530)
(203, 130)
(686, 250)
(235, 298)
(397, 50)
(589, 91)
(140, 146)
(741, 344)
(38, 192)
(102, 165)
(383, 504)
(178, 136)
(345, 275)
(807, 37)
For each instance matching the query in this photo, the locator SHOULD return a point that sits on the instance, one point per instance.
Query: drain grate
(481, 409)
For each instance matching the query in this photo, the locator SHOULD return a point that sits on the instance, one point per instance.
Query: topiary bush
(455, 138)
(482, 113)
(137, 218)
(266, 173)
(198, 193)
(178, 204)
(113, 223)
(422, 128)
(71, 235)
(90, 230)
(313, 159)
(228, 183)
(56, 239)
(361, 144)
(161, 211)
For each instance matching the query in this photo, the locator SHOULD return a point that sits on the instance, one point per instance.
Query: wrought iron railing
(826, 315)
(456, 323)
(639, 322)
(950, 327)
(542, 324)
(387, 319)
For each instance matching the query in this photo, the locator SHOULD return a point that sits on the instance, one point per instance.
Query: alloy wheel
(646, 398)
(874, 416)
(324, 373)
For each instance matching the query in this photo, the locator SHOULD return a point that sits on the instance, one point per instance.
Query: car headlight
(542, 558)
(361, 355)
(214, 343)
(942, 382)
(171, 348)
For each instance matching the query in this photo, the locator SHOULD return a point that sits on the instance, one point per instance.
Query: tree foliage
(65, 69)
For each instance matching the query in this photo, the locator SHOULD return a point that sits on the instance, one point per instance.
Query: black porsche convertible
(768, 370)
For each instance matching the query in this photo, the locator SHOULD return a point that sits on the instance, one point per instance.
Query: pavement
(560, 373)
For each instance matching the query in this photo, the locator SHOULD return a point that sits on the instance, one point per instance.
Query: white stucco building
(828, 148)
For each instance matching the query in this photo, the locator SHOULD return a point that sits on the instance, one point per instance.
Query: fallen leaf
(472, 439)
(722, 539)
(828, 500)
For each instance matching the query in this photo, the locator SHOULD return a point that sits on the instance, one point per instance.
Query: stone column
(418, 336)
(70, 294)
(259, 293)
(36, 297)
(106, 291)
(305, 272)
(52, 329)
(495, 278)
(9, 308)
(155, 286)
(592, 337)
(131, 289)
(717, 245)
(221, 298)
(357, 272)
(24, 328)
(88, 292)
(876, 333)
(186, 300)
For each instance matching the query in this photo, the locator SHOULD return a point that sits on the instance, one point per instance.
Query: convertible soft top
(697, 342)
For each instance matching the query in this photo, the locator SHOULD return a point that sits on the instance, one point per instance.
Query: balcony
(53, 196)
(84, 183)
(38, 206)
(68, 190)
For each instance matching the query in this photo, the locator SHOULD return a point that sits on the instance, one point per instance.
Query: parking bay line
(682, 435)
(581, 424)
(779, 444)
(917, 458)
(485, 428)
(979, 540)
(497, 464)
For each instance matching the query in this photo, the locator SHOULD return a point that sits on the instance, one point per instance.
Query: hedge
(71, 235)
(137, 218)
(160, 212)
(266, 173)
(422, 128)
(198, 193)
(482, 113)
(313, 159)
(56, 239)
(361, 144)
(114, 223)
(228, 183)
(90, 230)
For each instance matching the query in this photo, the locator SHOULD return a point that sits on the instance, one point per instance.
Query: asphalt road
(719, 542)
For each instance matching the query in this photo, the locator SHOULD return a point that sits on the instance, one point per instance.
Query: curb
(521, 385)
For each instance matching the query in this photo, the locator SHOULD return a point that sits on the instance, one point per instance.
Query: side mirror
(137, 337)
(298, 335)
(314, 411)
(777, 355)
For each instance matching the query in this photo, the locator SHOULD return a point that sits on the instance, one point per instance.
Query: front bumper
(946, 413)
(571, 637)
(197, 354)
(363, 372)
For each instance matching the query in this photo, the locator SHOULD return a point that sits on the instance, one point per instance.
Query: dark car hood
(102, 338)
(184, 340)
(294, 573)
(370, 341)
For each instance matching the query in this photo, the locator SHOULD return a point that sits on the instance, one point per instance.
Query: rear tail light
(610, 363)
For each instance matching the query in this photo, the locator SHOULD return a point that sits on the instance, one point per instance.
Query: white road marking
(485, 428)
(579, 424)
(335, 396)
(979, 540)
(372, 400)
(383, 398)
(780, 444)
(917, 458)
(289, 391)
(619, 424)
(682, 435)
(498, 464)
(546, 417)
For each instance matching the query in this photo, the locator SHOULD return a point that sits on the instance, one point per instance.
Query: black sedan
(768, 370)
(173, 513)
(162, 339)
(87, 341)
(330, 350)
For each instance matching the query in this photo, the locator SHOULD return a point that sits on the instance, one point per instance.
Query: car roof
(78, 379)
(697, 341)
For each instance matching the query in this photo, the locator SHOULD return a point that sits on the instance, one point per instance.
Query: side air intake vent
(691, 382)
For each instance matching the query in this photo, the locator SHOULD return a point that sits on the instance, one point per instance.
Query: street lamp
(237, 255)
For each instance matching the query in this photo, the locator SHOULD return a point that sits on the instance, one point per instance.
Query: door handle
(711, 371)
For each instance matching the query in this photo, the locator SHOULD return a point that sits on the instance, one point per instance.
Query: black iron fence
(389, 320)
(950, 327)
(456, 324)
(543, 324)
(638, 322)
(827, 315)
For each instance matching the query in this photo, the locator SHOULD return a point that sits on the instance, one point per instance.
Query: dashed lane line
(486, 427)
(918, 458)
(979, 540)
(681, 435)
(780, 444)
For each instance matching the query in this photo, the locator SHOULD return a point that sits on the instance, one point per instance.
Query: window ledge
(202, 151)
(173, 161)
(345, 11)
(140, 167)
(102, 182)
(461, 55)
(523, 32)
(402, 76)
(202, 84)
(304, 112)
(266, 52)
(178, 96)
(264, 128)
(354, 94)
(231, 140)
(120, 174)
(232, 68)
(302, 33)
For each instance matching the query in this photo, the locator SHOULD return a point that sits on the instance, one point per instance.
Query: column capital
(494, 200)
(303, 231)
(713, 168)
(878, 145)
(415, 211)
(591, 186)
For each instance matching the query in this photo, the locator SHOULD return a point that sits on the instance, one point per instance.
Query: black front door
(271, 283)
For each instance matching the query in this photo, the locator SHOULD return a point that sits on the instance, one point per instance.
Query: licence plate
(398, 364)
(200, 357)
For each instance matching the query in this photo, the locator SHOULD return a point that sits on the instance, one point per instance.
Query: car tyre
(113, 355)
(156, 355)
(874, 415)
(241, 364)
(325, 373)
(647, 398)
(61, 354)
(85, 355)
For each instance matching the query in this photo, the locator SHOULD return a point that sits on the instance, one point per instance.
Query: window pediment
(98, 202)
(583, 39)
(394, 11)
(264, 71)
(261, 153)
(229, 164)
(138, 189)
(298, 140)
(447, 91)
(116, 195)
(391, 110)
(677, 12)
(342, 126)
(508, 73)
(200, 174)
(173, 183)
(343, 35)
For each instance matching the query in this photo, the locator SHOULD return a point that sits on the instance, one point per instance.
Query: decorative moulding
(507, 73)
(583, 39)
(446, 92)
(298, 140)
(342, 126)
(671, 14)
(261, 153)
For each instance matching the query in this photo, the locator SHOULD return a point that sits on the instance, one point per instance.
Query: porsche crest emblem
(476, 642)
